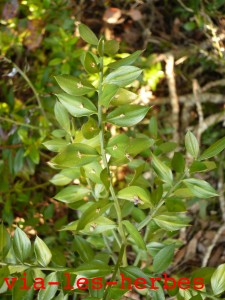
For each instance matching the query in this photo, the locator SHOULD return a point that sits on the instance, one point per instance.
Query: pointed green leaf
(77, 106)
(172, 221)
(123, 76)
(122, 97)
(126, 61)
(92, 213)
(163, 258)
(137, 195)
(178, 162)
(200, 188)
(56, 145)
(5, 242)
(191, 144)
(92, 269)
(83, 248)
(132, 230)
(162, 170)
(62, 116)
(75, 155)
(90, 63)
(218, 280)
(42, 252)
(127, 116)
(72, 194)
(214, 149)
(111, 47)
(107, 95)
(73, 85)
(88, 35)
(49, 292)
(21, 245)
(90, 129)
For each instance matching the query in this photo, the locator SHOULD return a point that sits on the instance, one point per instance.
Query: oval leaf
(137, 195)
(88, 35)
(218, 280)
(191, 144)
(123, 76)
(214, 149)
(21, 245)
(72, 194)
(42, 252)
(200, 188)
(127, 116)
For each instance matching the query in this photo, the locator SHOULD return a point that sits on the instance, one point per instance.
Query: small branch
(19, 123)
(173, 95)
(197, 95)
(212, 84)
(210, 121)
(30, 85)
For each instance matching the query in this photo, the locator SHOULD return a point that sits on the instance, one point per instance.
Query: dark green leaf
(21, 245)
(111, 47)
(214, 149)
(90, 129)
(93, 269)
(83, 248)
(108, 94)
(163, 258)
(90, 63)
(75, 155)
(5, 242)
(132, 230)
(178, 162)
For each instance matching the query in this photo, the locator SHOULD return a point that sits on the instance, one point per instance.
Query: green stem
(105, 163)
(30, 85)
(36, 267)
(120, 257)
(161, 202)
(19, 123)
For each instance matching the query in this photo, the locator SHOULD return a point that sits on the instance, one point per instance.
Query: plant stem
(120, 257)
(19, 123)
(105, 163)
(30, 85)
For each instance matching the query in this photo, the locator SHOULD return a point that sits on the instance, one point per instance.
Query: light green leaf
(127, 116)
(92, 269)
(137, 195)
(163, 258)
(90, 129)
(88, 35)
(49, 292)
(5, 242)
(137, 145)
(90, 63)
(172, 221)
(107, 95)
(77, 106)
(200, 188)
(62, 116)
(42, 252)
(65, 176)
(126, 61)
(83, 248)
(21, 245)
(178, 162)
(56, 145)
(73, 85)
(191, 144)
(218, 280)
(75, 155)
(153, 127)
(122, 97)
(162, 170)
(92, 213)
(123, 76)
(214, 149)
(111, 47)
(72, 194)
(132, 230)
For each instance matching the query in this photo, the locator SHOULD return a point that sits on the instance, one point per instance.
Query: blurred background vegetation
(183, 80)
